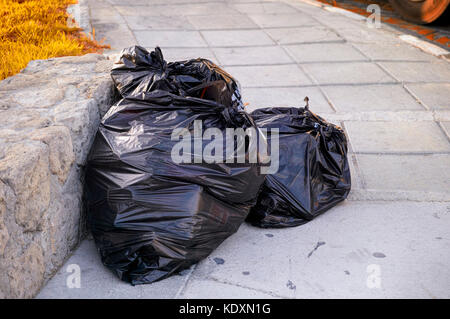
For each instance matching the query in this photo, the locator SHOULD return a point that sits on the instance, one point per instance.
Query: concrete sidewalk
(391, 238)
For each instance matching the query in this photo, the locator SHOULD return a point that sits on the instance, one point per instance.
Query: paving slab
(438, 71)
(231, 38)
(269, 7)
(222, 22)
(283, 20)
(110, 27)
(397, 51)
(120, 38)
(436, 96)
(170, 38)
(426, 173)
(358, 31)
(252, 55)
(158, 23)
(269, 75)
(285, 97)
(396, 137)
(325, 52)
(98, 4)
(355, 250)
(107, 13)
(181, 54)
(303, 35)
(327, 18)
(176, 9)
(371, 98)
(347, 73)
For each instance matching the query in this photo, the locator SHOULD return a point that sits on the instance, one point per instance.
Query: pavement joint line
(329, 101)
(322, 6)
(366, 61)
(244, 46)
(405, 87)
(169, 16)
(230, 283)
(311, 78)
(443, 130)
(385, 70)
(126, 24)
(344, 84)
(305, 62)
(324, 84)
(423, 104)
(259, 64)
(223, 28)
(404, 153)
(354, 160)
(334, 62)
(221, 46)
(291, 44)
(207, 43)
(446, 132)
(350, 145)
(376, 63)
(374, 195)
(186, 281)
(316, 82)
(399, 116)
(360, 179)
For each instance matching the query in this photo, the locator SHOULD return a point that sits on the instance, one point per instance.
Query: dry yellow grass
(37, 29)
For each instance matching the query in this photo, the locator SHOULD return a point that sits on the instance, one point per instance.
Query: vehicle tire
(420, 11)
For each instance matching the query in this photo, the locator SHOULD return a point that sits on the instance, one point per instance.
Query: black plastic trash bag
(150, 216)
(313, 173)
(140, 71)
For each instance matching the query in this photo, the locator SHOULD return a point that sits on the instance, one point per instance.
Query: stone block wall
(49, 114)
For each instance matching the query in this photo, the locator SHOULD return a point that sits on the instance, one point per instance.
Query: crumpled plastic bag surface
(313, 173)
(140, 71)
(151, 217)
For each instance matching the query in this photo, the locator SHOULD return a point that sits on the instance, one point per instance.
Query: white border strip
(423, 45)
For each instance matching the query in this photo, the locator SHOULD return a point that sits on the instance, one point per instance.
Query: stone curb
(49, 114)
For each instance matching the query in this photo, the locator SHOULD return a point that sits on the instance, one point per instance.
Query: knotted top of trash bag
(139, 73)
(147, 82)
